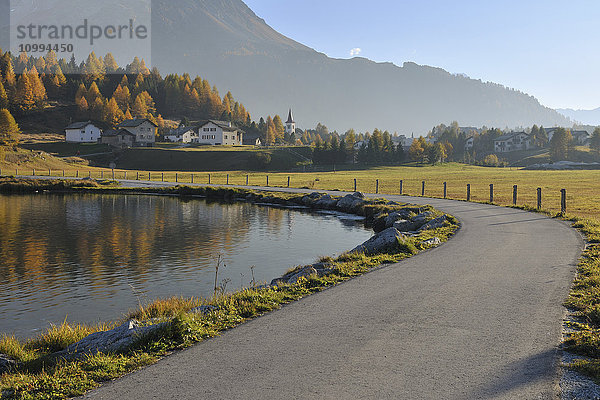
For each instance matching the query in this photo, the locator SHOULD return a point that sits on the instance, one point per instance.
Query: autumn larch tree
(9, 130)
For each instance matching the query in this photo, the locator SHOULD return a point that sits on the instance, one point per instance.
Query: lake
(91, 258)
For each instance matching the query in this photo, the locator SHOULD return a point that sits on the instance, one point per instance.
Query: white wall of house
(520, 141)
(88, 134)
(214, 135)
(186, 137)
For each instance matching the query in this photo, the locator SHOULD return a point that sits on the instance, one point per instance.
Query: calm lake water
(90, 258)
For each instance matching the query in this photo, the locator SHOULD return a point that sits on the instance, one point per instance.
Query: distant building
(143, 129)
(83, 132)
(512, 142)
(469, 143)
(183, 134)
(290, 124)
(218, 133)
(550, 132)
(120, 139)
(249, 140)
(580, 137)
(469, 130)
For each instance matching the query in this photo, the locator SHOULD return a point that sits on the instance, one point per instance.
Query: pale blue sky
(549, 49)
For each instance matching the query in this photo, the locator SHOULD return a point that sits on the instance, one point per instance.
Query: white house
(183, 134)
(512, 142)
(83, 132)
(218, 133)
(143, 129)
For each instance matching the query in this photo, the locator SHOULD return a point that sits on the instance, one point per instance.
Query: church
(290, 124)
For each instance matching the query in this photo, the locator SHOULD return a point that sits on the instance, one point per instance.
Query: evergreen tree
(560, 143)
(595, 140)
(9, 130)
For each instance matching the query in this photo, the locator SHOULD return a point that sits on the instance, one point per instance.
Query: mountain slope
(224, 41)
(591, 117)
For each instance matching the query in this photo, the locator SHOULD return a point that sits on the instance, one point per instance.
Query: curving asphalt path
(477, 318)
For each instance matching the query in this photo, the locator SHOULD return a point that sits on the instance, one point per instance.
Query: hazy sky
(549, 49)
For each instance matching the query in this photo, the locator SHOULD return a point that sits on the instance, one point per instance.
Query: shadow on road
(533, 375)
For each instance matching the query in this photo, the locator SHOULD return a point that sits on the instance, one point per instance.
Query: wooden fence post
(288, 181)
(267, 180)
(423, 188)
(247, 180)
(445, 189)
(354, 184)
(63, 172)
(77, 174)
(377, 186)
(563, 201)
(125, 175)
(102, 174)
(209, 179)
(514, 195)
(113, 174)
(33, 170)
(17, 171)
(192, 178)
(491, 192)
(401, 186)
(468, 192)
(539, 198)
(176, 177)
(137, 176)
(90, 174)
(49, 172)
(227, 179)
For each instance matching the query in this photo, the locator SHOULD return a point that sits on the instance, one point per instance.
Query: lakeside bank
(182, 322)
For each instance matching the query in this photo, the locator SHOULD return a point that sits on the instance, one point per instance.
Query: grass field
(583, 187)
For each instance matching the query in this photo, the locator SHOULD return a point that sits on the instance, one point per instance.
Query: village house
(512, 142)
(120, 139)
(83, 132)
(469, 143)
(580, 137)
(218, 133)
(183, 134)
(249, 140)
(143, 129)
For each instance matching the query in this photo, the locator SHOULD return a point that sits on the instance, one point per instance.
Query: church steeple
(290, 119)
(290, 124)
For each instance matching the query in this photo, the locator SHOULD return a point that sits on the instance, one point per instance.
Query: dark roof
(181, 130)
(114, 132)
(580, 133)
(133, 123)
(509, 136)
(79, 125)
(290, 119)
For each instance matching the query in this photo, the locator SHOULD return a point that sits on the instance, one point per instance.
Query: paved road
(477, 318)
